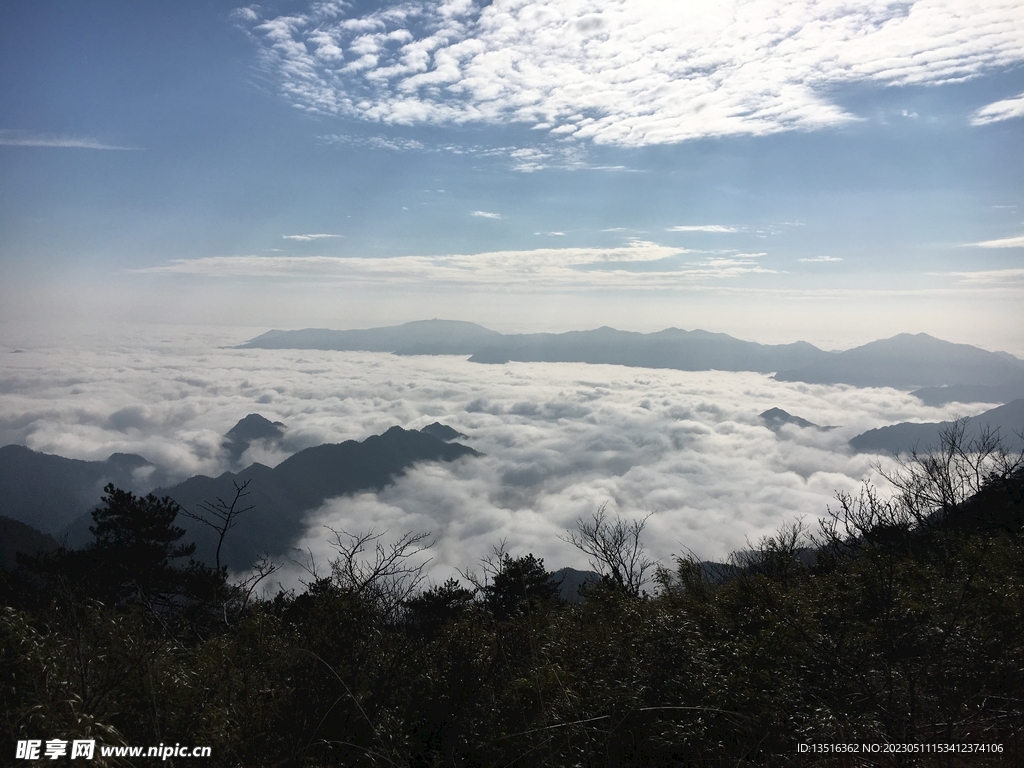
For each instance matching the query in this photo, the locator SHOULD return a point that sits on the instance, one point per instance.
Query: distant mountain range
(969, 393)
(911, 361)
(423, 337)
(906, 361)
(907, 436)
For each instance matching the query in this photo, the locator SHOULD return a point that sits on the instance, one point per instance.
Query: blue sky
(829, 171)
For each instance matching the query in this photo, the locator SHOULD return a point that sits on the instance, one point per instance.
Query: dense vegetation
(900, 621)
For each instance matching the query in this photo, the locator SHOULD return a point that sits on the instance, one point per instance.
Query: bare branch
(387, 575)
(221, 516)
(614, 548)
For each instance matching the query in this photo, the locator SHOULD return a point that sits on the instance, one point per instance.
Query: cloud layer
(559, 439)
(628, 72)
(641, 264)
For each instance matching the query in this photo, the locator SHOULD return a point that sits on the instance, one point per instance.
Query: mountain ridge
(906, 361)
(906, 436)
(282, 496)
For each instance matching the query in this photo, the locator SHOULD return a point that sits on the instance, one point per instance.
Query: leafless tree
(221, 516)
(386, 574)
(777, 557)
(941, 478)
(927, 485)
(490, 566)
(614, 548)
(261, 569)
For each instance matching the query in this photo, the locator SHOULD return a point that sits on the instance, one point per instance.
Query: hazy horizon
(771, 171)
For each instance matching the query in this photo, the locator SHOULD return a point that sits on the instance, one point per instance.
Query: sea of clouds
(559, 439)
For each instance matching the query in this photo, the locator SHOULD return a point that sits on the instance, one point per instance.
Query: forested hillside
(899, 621)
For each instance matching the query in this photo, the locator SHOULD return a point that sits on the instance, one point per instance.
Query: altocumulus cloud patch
(628, 72)
(560, 439)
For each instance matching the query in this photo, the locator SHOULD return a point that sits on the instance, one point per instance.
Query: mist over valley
(722, 458)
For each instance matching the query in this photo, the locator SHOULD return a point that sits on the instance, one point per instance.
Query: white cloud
(1006, 242)
(305, 238)
(486, 215)
(702, 228)
(629, 72)
(575, 268)
(997, 111)
(990, 276)
(821, 259)
(12, 138)
(559, 439)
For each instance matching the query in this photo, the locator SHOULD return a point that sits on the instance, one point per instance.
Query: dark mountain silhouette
(671, 348)
(969, 393)
(774, 418)
(423, 337)
(48, 492)
(907, 436)
(569, 580)
(909, 361)
(253, 427)
(281, 496)
(16, 536)
(52, 493)
(441, 431)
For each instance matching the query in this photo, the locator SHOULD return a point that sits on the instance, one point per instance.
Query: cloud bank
(559, 439)
(627, 72)
(640, 264)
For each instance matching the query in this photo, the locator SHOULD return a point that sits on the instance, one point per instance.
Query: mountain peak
(255, 427)
(249, 429)
(441, 431)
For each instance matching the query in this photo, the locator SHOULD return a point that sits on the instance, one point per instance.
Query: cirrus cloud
(12, 138)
